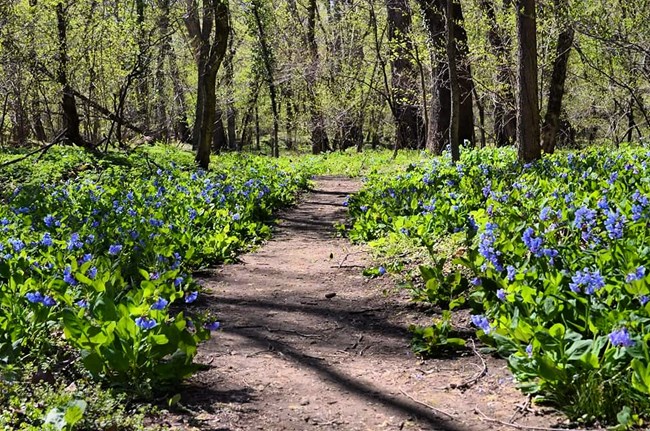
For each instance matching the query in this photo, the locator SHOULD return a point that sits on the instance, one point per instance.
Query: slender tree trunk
(268, 65)
(410, 133)
(180, 124)
(162, 124)
(453, 84)
(556, 87)
(465, 80)
(231, 112)
(505, 113)
(209, 51)
(319, 138)
(528, 128)
(143, 66)
(219, 139)
(69, 105)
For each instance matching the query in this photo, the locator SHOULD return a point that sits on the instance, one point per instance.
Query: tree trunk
(453, 84)
(433, 12)
(270, 77)
(527, 102)
(410, 133)
(556, 86)
(209, 51)
(219, 139)
(505, 113)
(70, 115)
(162, 125)
(319, 138)
(143, 66)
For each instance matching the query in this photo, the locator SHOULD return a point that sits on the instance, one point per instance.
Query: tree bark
(528, 132)
(410, 133)
(270, 76)
(162, 125)
(505, 113)
(71, 120)
(319, 138)
(433, 12)
(454, 85)
(209, 50)
(558, 78)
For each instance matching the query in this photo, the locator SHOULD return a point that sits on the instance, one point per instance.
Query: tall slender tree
(209, 30)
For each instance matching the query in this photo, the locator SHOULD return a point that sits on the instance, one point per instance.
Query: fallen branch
(42, 150)
(466, 384)
(484, 417)
(435, 409)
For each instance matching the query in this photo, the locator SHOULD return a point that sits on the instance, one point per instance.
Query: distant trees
(335, 74)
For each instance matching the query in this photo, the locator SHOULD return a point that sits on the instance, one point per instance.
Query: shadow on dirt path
(309, 343)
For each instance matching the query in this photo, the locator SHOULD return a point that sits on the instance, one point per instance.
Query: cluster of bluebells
(587, 281)
(487, 247)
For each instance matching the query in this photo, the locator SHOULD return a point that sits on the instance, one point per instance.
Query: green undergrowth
(550, 258)
(96, 264)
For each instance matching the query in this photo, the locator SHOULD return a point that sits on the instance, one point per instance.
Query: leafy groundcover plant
(554, 262)
(96, 269)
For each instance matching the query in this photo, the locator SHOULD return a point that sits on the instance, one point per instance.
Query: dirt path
(292, 358)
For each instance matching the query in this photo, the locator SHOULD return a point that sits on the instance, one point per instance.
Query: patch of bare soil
(310, 343)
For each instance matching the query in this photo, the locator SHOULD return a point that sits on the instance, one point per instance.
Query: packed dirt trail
(308, 342)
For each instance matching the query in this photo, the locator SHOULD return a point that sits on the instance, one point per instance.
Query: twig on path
(367, 310)
(523, 408)
(485, 417)
(435, 409)
(364, 349)
(348, 255)
(469, 382)
(466, 384)
(291, 331)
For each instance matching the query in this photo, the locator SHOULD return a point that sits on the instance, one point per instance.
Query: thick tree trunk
(528, 132)
(556, 87)
(410, 133)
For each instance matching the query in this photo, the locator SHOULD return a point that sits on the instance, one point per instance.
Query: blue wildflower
(591, 281)
(486, 245)
(476, 281)
(529, 350)
(145, 323)
(212, 326)
(236, 217)
(533, 243)
(68, 277)
(75, 242)
(584, 217)
(48, 301)
(51, 221)
(614, 224)
(85, 258)
(178, 281)
(115, 249)
(82, 303)
(47, 239)
(481, 322)
(621, 338)
(638, 274)
(34, 297)
(191, 297)
(16, 244)
(92, 273)
(381, 270)
(160, 304)
(512, 272)
(545, 213)
(501, 294)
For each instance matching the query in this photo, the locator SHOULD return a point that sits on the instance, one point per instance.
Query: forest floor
(308, 342)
